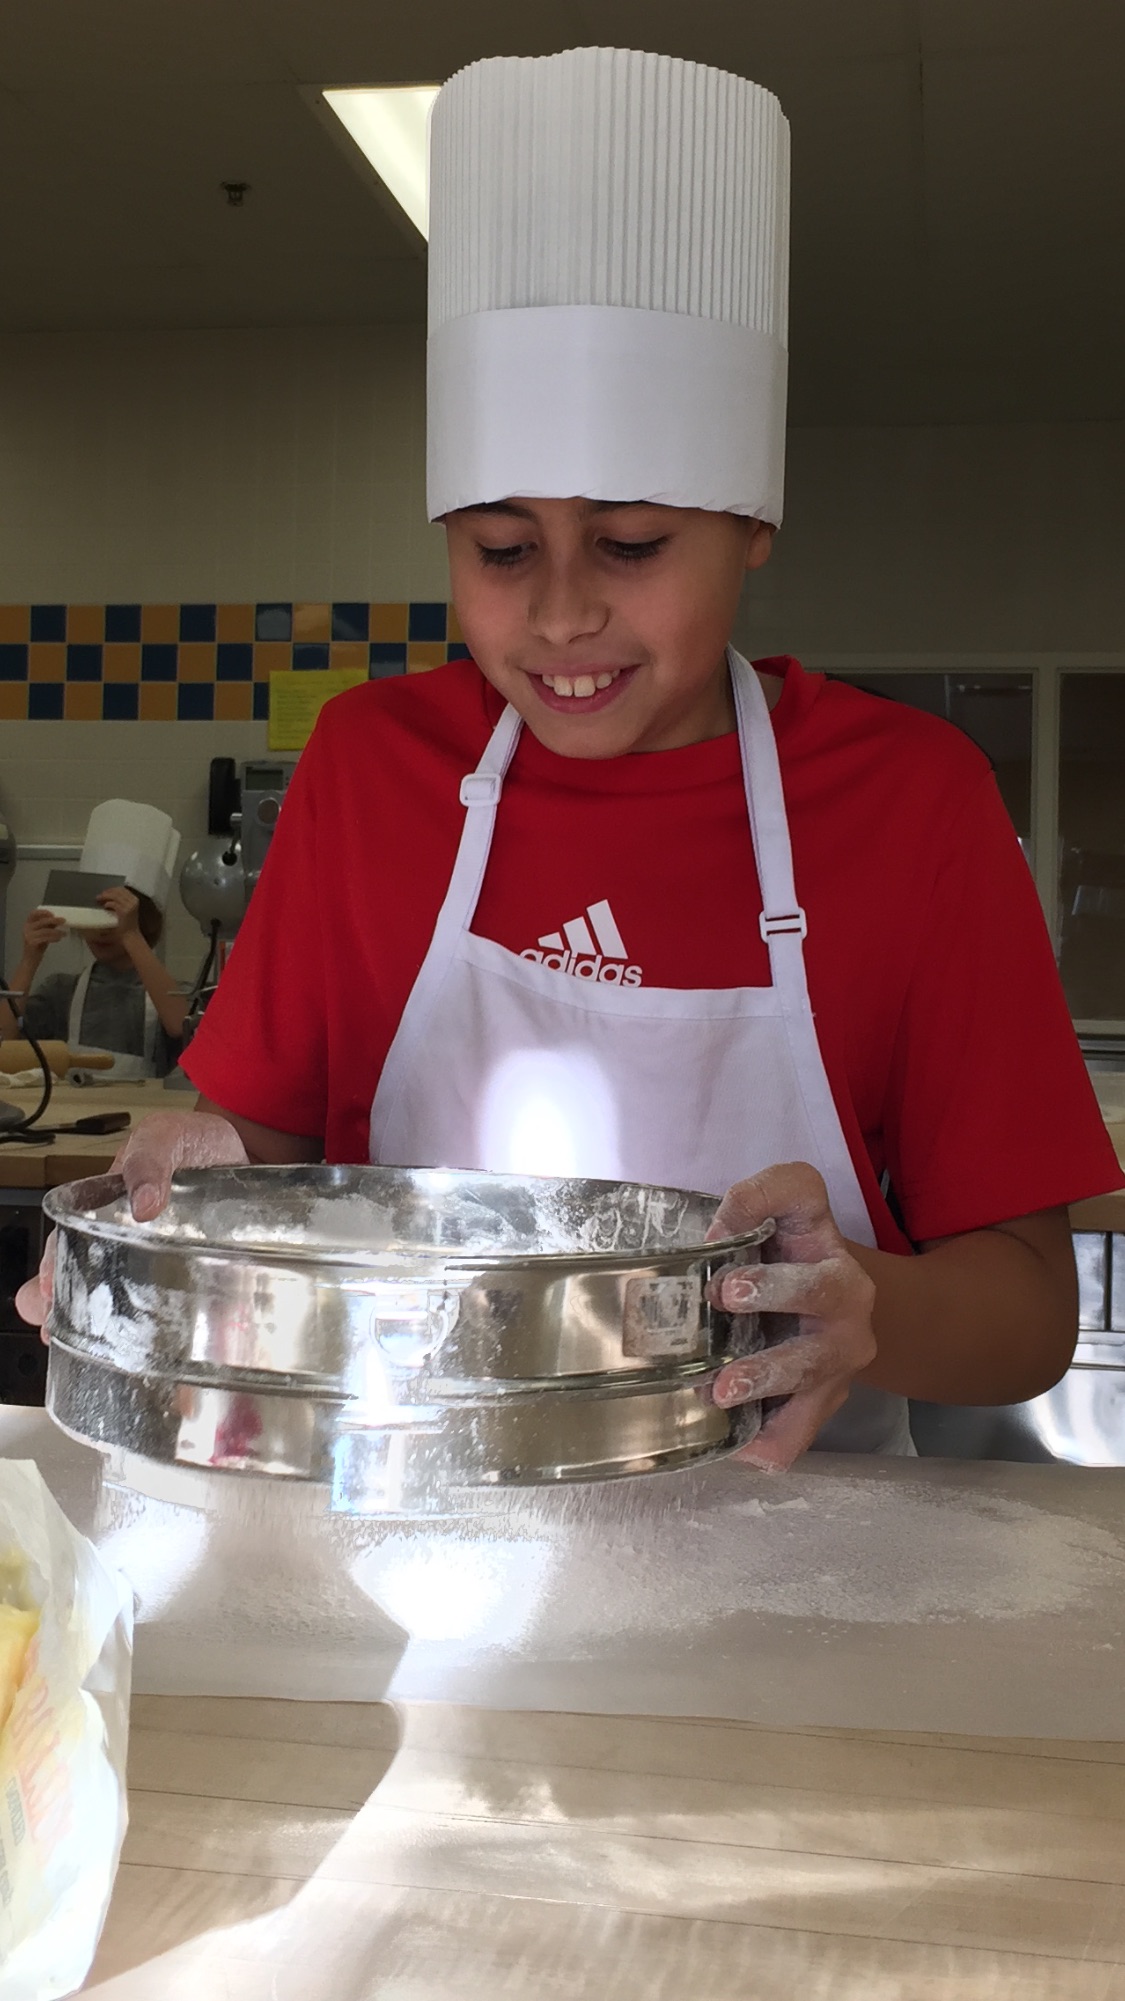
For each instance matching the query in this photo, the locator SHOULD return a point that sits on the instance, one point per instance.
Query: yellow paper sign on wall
(297, 698)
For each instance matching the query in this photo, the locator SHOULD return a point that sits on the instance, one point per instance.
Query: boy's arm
(40, 931)
(989, 1317)
(162, 990)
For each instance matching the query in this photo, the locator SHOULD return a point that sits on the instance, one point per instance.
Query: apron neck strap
(480, 796)
(782, 921)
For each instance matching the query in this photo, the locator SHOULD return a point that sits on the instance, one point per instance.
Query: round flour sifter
(396, 1336)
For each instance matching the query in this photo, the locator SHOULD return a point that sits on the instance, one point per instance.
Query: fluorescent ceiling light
(391, 129)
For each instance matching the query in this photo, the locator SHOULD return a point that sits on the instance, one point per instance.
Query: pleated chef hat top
(608, 283)
(138, 842)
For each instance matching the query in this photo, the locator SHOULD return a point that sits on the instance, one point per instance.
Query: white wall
(973, 539)
(215, 467)
(237, 466)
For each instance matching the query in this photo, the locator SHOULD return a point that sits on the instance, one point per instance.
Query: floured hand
(808, 1273)
(157, 1148)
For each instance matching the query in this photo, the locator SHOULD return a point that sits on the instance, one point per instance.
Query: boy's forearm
(990, 1317)
(159, 985)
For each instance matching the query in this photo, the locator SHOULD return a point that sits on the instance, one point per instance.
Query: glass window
(994, 709)
(1092, 844)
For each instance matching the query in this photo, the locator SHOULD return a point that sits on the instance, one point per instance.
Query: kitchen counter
(77, 1154)
(456, 1853)
(733, 1802)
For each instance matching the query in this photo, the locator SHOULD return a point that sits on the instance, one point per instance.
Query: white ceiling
(959, 176)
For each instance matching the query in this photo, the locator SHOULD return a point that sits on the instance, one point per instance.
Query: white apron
(126, 1069)
(506, 1064)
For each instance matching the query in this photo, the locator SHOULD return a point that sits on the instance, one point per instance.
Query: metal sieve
(396, 1335)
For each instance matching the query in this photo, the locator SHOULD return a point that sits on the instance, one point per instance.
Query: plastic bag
(62, 1754)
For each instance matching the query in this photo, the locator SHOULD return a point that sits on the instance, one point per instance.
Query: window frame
(1046, 671)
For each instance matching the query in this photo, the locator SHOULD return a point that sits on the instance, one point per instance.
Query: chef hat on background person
(608, 284)
(138, 842)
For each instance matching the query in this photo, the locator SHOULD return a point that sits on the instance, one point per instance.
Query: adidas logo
(590, 947)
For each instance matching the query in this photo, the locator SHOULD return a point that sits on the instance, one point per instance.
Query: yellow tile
(388, 621)
(271, 656)
(158, 701)
(46, 662)
(453, 627)
(160, 621)
(83, 703)
(234, 621)
(312, 621)
(348, 653)
(15, 623)
(121, 661)
(197, 660)
(422, 654)
(234, 701)
(85, 623)
(13, 701)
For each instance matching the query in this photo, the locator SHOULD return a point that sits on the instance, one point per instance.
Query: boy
(607, 901)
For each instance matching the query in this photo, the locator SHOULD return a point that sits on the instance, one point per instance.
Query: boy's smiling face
(625, 604)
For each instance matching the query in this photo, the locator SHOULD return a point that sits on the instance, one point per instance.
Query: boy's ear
(759, 543)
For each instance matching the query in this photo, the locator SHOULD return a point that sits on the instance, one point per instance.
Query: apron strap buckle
(481, 788)
(792, 921)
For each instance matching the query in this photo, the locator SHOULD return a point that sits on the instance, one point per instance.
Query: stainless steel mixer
(396, 1335)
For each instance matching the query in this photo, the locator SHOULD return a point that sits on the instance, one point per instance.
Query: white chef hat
(138, 842)
(608, 284)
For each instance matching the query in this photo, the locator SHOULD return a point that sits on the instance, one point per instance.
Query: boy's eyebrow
(527, 514)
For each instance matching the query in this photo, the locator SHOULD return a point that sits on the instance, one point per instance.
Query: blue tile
(310, 653)
(45, 701)
(48, 621)
(261, 701)
(13, 663)
(159, 660)
(273, 621)
(123, 623)
(83, 663)
(195, 702)
(386, 656)
(350, 621)
(120, 701)
(458, 652)
(197, 621)
(234, 660)
(427, 621)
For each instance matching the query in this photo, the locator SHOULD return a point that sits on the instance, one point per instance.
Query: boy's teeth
(584, 685)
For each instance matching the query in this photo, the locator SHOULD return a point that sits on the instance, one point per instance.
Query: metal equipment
(218, 878)
(397, 1335)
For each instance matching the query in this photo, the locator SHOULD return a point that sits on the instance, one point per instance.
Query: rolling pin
(16, 1055)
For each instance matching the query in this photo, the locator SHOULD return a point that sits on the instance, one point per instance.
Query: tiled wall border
(199, 662)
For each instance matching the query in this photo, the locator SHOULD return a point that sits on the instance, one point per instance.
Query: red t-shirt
(942, 1023)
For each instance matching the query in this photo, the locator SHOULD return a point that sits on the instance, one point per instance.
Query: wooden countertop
(76, 1154)
(459, 1853)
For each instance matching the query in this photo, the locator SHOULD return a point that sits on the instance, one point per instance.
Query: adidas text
(607, 972)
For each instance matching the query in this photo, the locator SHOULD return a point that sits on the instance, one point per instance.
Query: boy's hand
(808, 1273)
(41, 930)
(151, 1155)
(124, 906)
